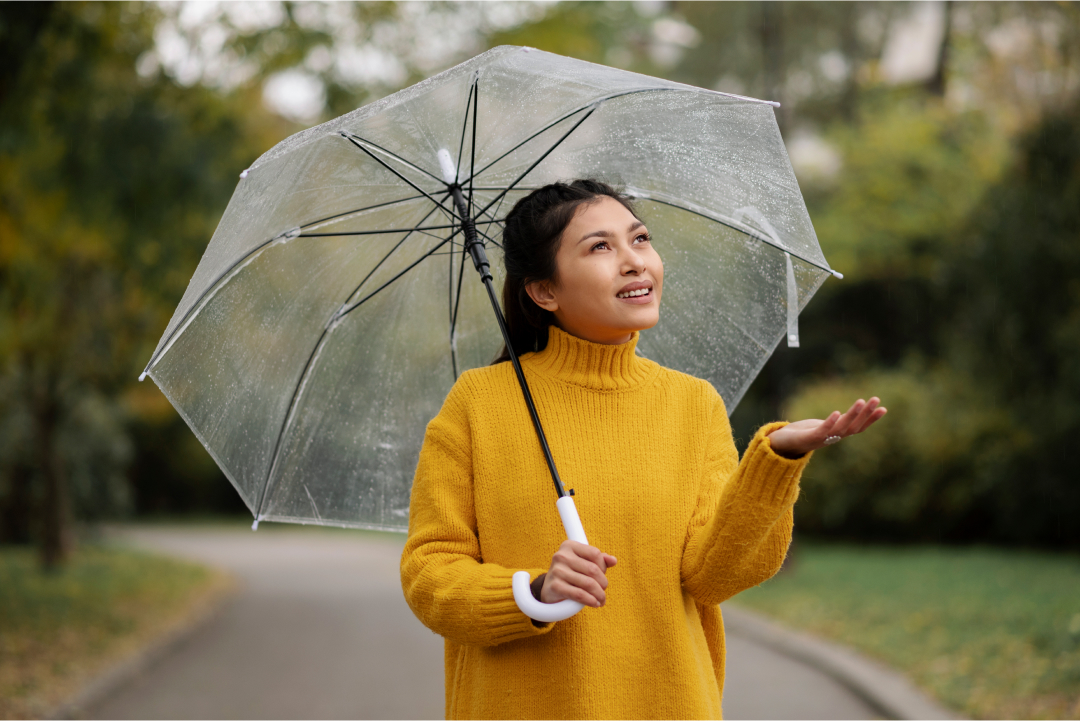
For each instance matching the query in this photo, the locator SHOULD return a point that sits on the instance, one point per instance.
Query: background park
(937, 146)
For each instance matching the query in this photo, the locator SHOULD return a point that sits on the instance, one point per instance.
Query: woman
(657, 481)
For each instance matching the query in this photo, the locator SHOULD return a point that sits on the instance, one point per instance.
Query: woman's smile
(636, 293)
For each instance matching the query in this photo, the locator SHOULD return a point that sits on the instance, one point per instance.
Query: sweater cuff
(500, 611)
(768, 477)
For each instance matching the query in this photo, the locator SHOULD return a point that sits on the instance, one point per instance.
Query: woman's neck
(605, 336)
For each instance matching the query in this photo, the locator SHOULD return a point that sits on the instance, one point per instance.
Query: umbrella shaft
(475, 246)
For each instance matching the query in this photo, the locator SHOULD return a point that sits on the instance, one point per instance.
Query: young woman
(657, 480)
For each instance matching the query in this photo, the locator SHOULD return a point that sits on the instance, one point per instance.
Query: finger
(559, 590)
(864, 415)
(566, 557)
(587, 568)
(860, 421)
(844, 423)
(826, 427)
(582, 589)
(582, 550)
(610, 561)
(876, 416)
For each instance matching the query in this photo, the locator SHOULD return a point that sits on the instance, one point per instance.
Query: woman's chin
(645, 320)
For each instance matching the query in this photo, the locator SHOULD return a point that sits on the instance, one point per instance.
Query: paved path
(320, 629)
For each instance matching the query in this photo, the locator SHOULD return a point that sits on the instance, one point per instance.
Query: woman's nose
(632, 263)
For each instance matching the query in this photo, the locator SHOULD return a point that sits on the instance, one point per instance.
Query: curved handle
(562, 610)
(544, 612)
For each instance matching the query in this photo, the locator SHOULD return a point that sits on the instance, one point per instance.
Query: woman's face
(608, 277)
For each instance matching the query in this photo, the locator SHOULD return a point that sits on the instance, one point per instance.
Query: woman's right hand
(577, 573)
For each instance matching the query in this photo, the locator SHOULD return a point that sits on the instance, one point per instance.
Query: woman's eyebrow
(605, 234)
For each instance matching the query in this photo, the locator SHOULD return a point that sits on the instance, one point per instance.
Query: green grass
(58, 630)
(992, 633)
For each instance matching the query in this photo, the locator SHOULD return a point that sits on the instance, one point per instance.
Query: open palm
(801, 437)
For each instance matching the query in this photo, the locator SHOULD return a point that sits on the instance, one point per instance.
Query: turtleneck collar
(592, 365)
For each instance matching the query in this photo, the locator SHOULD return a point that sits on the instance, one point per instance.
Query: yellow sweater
(658, 484)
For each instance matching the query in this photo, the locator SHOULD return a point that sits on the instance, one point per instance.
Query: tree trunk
(56, 515)
(936, 84)
(849, 45)
(17, 510)
(772, 56)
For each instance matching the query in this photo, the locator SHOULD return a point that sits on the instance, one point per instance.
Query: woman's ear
(540, 292)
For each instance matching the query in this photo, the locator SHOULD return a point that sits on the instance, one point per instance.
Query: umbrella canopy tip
(837, 274)
(142, 376)
(446, 164)
(255, 525)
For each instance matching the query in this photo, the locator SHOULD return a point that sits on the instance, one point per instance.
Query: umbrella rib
(473, 173)
(381, 261)
(285, 422)
(353, 138)
(464, 127)
(539, 160)
(216, 284)
(311, 358)
(737, 227)
(455, 305)
(593, 104)
(604, 99)
(472, 161)
(418, 229)
(488, 238)
(358, 210)
(393, 155)
(494, 214)
(349, 309)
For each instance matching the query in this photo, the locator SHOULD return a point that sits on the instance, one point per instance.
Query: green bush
(923, 472)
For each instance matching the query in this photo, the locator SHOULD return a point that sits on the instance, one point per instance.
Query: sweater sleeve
(741, 528)
(446, 583)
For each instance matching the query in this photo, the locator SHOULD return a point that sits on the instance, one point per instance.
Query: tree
(110, 184)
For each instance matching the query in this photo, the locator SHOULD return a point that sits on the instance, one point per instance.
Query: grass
(59, 630)
(992, 633)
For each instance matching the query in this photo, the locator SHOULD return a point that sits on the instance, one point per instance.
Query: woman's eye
(601, 243)
(644, 238)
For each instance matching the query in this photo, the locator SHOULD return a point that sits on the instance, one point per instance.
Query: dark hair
(531, 236)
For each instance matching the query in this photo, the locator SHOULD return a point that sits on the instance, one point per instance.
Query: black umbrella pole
(475, 247)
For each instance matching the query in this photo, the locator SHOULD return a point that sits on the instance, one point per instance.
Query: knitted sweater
(658, 484)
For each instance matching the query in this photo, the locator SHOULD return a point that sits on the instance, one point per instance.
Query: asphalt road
(320, 630)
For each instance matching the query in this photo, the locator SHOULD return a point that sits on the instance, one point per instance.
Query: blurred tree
(110, 184)
(923, 476)
(1015, 326)
(982, 404)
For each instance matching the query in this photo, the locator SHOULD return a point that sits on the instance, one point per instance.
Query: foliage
(973, 447)
(58, 630)
(1014, 283)
(110, 183)
(925, 474)
(993, 633)
(123, 127)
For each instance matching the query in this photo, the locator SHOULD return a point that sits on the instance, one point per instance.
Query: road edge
(887, 691)
(100, 687)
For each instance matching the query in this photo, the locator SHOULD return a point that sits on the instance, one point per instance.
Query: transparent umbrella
(334, 306)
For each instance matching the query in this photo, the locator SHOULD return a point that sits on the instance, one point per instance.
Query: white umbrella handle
(550, 612)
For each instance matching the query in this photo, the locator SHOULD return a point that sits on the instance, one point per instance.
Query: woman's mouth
(640, 296)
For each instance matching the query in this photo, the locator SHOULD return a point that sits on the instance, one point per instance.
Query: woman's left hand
(799, 438)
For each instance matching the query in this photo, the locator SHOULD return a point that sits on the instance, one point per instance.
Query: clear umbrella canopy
(333, 308)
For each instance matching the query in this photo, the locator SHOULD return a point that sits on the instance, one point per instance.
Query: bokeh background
(937, 145)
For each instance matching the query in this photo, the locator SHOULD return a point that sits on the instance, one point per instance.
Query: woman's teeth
(634, 293)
